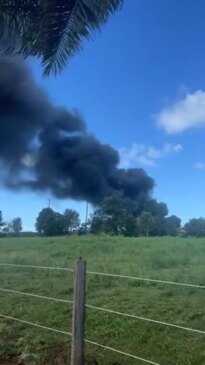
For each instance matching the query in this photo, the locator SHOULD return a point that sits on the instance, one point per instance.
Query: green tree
(112, 206)
(59, 226)
(113, 217)
(96, 222)
(110, 212)
(195, 227)
(146, 223)
(16, 225)
(6, 229)
(172, 225)
(84, 229)
(2, 224)
(45, 222)
(128, 225)
(72, 221)
(50, 223)
(158, 210)
(52, 30)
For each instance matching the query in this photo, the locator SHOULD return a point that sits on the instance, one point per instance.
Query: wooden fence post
(78, 324)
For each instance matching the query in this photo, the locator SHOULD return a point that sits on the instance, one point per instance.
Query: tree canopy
(71, 220)
(52, 30)
(195, 227)
(116, 216)
(16, 225)
(146, 223)
(51, 223)
(172, 225)
(1, 220)
(112, 217)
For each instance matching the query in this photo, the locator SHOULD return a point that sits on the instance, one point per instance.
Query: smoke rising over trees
(45, 147)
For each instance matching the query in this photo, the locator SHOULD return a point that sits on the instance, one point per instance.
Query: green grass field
(173, 259)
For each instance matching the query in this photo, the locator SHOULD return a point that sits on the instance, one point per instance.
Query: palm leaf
(16, 16)
(51, 29)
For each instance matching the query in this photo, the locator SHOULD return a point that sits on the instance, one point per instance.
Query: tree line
(112, 217)
(14, 227)
(51, 223)
(48, 223)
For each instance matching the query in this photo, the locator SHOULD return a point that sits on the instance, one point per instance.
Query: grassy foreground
(173, 259)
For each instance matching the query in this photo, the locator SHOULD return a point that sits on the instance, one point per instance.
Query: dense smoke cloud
(44, 147)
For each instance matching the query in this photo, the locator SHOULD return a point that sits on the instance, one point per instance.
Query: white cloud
(199, 165)
(144, 155)
(186, 113)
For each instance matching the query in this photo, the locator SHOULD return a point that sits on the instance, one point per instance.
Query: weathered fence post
(77, 348)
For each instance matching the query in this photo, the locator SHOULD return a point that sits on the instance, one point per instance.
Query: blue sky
(140, 85)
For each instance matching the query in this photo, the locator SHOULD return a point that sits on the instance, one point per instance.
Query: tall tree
(72, 221)
(96, 222)
(158, 210)
(1, 221)
(128, 224)
(59, 227)
(146, 223)
(53, 30)
(45, 221)
(50, 223)
(195, 227)
(7, 228)
(172, 225)
(113, 217)
(16, 225)
(111, 211)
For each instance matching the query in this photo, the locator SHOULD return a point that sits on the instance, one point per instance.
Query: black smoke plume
(44, 147)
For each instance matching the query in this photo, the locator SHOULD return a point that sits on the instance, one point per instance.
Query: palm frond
(51, 29)
(16, 17)
(72, 26)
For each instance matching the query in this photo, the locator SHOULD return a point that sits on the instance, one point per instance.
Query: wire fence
(70, 334)
(106, 310)
(157, 281)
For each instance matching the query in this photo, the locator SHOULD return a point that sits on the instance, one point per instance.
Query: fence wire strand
(108, 275)
(35, 295)
(121, 352)
(105, 310)
(70, 334)
(37, 267)
(34, 324)
(147, 280)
